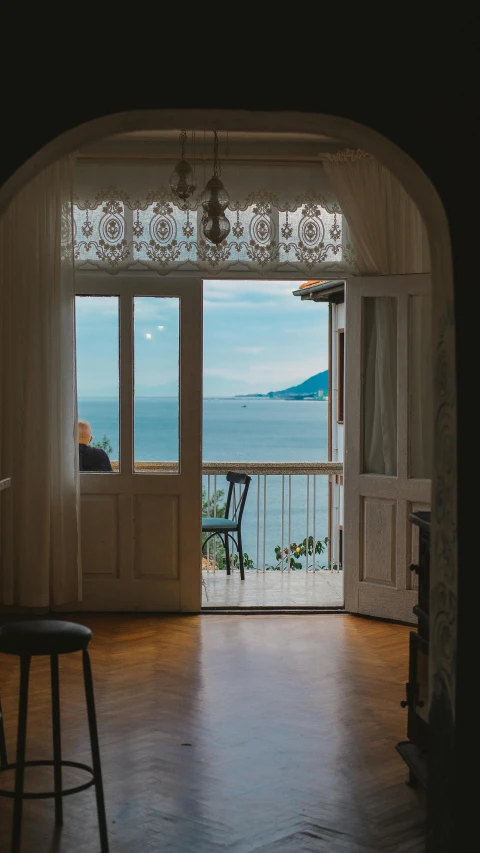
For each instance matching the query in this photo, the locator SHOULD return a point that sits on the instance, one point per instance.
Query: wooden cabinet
(414, 750)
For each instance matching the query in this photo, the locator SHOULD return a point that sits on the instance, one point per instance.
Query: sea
(239, 430)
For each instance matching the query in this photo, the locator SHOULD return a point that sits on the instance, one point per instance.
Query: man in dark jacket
(90, 458)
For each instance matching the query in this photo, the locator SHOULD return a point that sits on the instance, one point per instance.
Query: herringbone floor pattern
(273, 734)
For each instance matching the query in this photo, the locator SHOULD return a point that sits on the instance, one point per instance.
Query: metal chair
(231, 524)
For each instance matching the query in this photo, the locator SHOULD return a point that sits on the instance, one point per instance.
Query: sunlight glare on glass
(160, 328)
(148, 336)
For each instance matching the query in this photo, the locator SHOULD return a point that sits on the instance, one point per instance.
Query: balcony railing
(287, 504)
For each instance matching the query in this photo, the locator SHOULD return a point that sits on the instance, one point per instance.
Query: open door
(141, 524)
(388, 439)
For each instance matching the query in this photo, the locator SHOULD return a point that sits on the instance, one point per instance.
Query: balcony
(283, 591)
(287, 504)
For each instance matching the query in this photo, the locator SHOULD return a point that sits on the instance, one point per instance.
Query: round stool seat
(43, 637)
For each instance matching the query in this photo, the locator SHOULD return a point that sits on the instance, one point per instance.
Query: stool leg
(57, 743)
(3, 743)
(97, 769)
(21, 745)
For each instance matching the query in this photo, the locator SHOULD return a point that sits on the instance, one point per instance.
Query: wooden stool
(52, 638)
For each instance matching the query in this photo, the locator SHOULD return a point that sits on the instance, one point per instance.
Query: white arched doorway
(418, 186)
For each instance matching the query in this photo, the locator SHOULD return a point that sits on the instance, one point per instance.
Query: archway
(423, 193)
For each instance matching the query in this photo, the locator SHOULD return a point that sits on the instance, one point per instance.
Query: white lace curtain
(39, 554)
(284, 220)
(389, 238)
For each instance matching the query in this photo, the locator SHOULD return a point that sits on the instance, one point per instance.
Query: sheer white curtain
(380, 398)
(389, 238)
(386, 229)
(39, 547)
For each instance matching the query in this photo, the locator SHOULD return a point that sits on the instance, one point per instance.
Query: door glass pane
(156, 384)
(420, 420)
(380, 385)
(98, 380)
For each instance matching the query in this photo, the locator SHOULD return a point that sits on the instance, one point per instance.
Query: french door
(388, 439)
(141, 524)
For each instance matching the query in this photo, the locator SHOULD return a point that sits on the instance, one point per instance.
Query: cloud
(251, 290)
(95, 307)
(229, 306)
(153, 308)
(253, 305)
(250, 350)
(258, 338)
(263, 377)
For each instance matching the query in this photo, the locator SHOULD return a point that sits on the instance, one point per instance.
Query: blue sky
(258, 337)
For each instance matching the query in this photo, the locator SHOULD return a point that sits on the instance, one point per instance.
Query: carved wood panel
(99, 536)
(156, 536)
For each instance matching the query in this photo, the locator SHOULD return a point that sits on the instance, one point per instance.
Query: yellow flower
(298, 550)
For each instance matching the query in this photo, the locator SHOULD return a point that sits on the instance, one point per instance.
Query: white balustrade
(287, 503)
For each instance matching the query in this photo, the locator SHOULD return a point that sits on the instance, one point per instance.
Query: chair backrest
(235, 504)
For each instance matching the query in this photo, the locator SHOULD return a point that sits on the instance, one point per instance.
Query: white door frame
(176, 586)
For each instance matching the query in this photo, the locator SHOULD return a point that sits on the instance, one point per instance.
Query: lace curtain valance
(283, 220)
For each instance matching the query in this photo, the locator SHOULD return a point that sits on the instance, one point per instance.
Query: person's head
(84, 432)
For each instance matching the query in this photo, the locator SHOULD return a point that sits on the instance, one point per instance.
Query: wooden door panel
(99, 536)
(156, 533)
(378, 544)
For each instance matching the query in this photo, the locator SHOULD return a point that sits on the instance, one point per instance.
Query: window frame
(340, 375)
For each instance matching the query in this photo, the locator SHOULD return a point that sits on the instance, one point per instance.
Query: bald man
(90, 458)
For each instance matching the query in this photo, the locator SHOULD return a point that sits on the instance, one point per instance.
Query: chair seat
(209, 525)
(43, 637)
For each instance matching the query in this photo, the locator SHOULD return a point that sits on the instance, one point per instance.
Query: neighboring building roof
(311, 283)
(321, 290)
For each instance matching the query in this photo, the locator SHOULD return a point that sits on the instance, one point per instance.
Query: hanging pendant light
(182, 179)
(216, 226)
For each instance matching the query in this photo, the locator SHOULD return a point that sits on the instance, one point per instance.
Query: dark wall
(425, 114)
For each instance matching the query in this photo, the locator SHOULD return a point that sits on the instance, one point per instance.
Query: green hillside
(319, 382)
(311, 386)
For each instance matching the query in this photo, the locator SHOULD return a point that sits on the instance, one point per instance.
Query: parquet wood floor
(250, 734)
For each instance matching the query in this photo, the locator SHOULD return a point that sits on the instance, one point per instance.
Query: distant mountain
(311, 386)
(319, 382)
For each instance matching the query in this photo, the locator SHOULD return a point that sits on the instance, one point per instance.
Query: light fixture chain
(215, 154)
(183, 139)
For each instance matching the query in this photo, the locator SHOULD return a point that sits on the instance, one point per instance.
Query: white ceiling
(165, 144)
(235, 136)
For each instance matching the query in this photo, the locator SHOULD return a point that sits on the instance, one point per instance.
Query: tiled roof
(311, 283)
